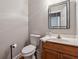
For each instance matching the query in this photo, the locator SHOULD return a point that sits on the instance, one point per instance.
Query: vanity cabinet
(52, 50)
(48, 54)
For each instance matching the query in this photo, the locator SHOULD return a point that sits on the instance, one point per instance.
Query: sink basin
(70, 41)
(64, 41)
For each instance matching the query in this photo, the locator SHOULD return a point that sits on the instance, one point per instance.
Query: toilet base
(30, 57)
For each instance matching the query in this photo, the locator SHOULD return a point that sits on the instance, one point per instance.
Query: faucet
(59, 37)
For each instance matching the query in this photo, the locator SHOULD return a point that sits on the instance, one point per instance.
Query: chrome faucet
(59, 37)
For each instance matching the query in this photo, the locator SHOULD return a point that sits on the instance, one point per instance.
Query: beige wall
(38, 17)
(13, 26)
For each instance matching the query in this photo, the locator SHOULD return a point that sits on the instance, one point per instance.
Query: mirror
(59, 16)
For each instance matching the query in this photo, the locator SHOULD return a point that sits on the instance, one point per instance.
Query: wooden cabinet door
(65, 56)
(58, 51)
(49, 54)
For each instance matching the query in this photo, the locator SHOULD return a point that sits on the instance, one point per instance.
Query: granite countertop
(68, 41)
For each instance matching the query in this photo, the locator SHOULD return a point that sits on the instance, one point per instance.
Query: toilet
(28, 51)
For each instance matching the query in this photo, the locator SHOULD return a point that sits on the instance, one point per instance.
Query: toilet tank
(34, 39)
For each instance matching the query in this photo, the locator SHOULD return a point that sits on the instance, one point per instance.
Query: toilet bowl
(28, 51)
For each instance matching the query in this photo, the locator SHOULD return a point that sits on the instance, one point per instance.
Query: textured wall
(38, 17)
(13, 26)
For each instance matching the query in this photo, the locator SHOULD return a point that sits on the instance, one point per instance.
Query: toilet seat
(28, 50)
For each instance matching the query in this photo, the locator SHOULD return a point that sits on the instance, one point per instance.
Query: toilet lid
(28, 49)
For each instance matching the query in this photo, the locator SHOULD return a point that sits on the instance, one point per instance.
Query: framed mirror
(59, 15)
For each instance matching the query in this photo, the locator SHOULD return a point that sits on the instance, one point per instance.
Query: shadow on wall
(6, 54)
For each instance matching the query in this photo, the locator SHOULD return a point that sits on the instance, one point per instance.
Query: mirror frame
(67, 15)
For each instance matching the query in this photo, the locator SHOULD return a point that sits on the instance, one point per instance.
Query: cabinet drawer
(69, 50)
(62, 48)
(52, 46)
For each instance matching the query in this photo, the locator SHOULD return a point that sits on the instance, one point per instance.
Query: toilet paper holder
(11, 47)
